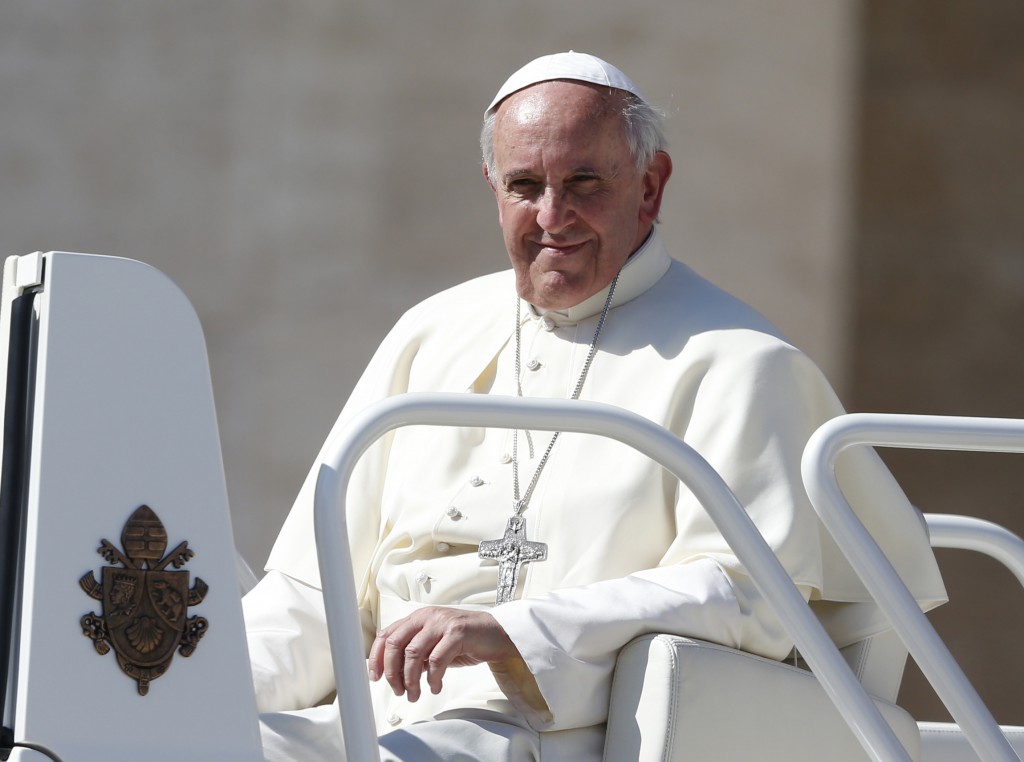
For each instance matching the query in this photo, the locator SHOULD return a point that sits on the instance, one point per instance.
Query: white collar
(642, 270)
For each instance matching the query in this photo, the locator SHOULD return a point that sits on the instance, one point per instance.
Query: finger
(441, 657)
(394, 659)
(417, 652)
(375, 660)
(435, 673)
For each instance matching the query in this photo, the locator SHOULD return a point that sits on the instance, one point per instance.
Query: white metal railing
(652, 440)
(871, 565)
(970, 533)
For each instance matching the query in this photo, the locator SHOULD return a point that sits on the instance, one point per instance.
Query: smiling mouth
(561, 249)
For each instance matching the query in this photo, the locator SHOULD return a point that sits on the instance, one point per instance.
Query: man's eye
(583, 181)
(522, 186)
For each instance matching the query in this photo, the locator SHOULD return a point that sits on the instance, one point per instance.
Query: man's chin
(557, 294)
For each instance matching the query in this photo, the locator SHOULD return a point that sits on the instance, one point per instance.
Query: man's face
(571, 203)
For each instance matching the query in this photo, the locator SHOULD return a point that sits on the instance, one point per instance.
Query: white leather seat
(676, 698)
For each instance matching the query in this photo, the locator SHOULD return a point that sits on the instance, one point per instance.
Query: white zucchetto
(581, 67)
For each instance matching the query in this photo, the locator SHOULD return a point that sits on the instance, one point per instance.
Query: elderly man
(470, 660)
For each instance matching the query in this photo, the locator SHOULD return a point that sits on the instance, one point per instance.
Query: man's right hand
(435, 638)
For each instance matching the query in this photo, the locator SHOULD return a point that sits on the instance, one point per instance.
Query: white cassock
(629, 549)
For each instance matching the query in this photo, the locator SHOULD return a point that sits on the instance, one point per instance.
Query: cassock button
(394, 719)
(533, 363)
(454, 513)
(442, 547)
(476, 481)
(547, 323)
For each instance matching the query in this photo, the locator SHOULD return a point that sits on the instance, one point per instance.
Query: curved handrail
(874, 569)
(970, 533)
(661, 445)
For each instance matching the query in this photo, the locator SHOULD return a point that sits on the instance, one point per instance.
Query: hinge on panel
(29, 270)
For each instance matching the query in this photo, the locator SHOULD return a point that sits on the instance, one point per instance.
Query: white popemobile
(121, 633)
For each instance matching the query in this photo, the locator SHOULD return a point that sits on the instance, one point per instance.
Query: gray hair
(642, 123)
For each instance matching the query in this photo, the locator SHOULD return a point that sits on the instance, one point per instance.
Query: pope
(499, 573)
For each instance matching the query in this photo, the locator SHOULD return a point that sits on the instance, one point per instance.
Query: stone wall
(307, 170)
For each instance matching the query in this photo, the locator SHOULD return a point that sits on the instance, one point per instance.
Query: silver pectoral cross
(511, 552)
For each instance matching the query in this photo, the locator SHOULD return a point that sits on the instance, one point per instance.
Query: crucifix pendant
(511, 552)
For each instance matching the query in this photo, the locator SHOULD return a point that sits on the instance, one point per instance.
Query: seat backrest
(878, 662)
(874, 652)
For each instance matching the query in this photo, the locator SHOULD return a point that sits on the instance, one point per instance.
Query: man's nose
(554, 211)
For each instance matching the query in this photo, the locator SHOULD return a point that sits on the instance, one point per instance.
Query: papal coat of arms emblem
(144, 605)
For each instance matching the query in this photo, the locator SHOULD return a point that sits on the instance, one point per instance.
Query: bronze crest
(144, 605)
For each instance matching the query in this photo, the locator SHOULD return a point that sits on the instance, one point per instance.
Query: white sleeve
(570, 638)
(286, 629)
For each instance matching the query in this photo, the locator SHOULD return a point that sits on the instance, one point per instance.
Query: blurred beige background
(306, 170)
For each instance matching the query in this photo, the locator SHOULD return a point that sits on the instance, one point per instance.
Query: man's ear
(654, 181)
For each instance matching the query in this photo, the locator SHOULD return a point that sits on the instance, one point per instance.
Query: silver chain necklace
(513, 549)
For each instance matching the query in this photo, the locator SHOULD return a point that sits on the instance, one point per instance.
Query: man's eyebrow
(513, 174)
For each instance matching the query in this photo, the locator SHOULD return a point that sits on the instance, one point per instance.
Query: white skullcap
(578, 66)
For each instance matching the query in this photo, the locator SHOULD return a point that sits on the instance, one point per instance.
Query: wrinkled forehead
(564, 124)
(561, 106)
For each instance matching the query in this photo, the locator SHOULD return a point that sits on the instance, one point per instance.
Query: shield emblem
(145, 613)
